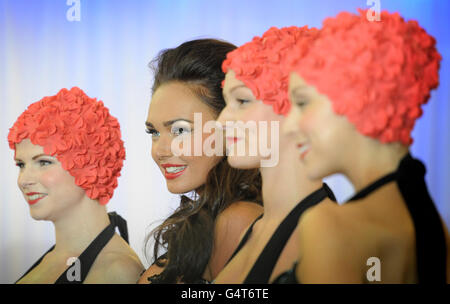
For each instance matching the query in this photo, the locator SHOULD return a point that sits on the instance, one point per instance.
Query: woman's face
(254, 137)
(49, 189)
(170, 122)
(322, 137)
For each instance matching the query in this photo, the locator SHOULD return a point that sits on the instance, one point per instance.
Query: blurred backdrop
(105, 50)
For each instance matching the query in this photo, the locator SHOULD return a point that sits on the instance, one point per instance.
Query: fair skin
(168, 120)
(280, 189)
(77, 220)
(381, 225)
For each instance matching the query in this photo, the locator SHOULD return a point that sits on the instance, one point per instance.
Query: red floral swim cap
(261, 63)
(377, 74)
(81, 134)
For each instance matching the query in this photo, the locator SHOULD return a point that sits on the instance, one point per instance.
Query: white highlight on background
(373, 14)
(74, 12)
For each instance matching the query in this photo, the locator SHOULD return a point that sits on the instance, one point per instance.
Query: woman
(203, 232)
(255, 91)
(70, 153)
(356, 95)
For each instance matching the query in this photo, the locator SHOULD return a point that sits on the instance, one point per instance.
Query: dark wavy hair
(188, 234)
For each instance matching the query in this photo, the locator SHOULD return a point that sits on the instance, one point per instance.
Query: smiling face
(48, 188)
(325, 140)
(171, 116)
(247, 138)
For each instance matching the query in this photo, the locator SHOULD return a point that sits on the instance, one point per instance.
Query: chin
(315, 177)
(39, 214)
(175, 190)
(181, 188)
(318, 173)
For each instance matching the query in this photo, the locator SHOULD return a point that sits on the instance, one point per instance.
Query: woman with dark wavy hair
(203, 232)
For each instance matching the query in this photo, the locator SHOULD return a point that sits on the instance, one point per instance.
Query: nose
(162, 147)
(26, 179)
(224, 116)
(290, 124)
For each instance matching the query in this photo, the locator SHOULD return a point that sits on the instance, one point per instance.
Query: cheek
(153, 152)
(256, 119)
(60, 181)
(309, 122)
(252, 114)
(51, 178)
(293, 119)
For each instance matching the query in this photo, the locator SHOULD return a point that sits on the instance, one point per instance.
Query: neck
(285, 185)
(79, 226)
(372, 161)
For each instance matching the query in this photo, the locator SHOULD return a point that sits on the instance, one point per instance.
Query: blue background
(106, 54)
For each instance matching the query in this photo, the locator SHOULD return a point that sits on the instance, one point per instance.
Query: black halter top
(431, 251)
(88, 256)
(264, 265)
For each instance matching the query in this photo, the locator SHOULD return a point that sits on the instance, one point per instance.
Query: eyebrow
(233, 89)
(168, 123)
(34, 157)
(238, 87)
(300, 88)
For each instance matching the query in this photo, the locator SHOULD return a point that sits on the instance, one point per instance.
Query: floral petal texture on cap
(81, 134)
(263, 63)
(377, 74)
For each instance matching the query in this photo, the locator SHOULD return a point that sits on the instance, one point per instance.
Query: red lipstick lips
(303, 150)
(232, 140)
(172, 175)
(32, 202)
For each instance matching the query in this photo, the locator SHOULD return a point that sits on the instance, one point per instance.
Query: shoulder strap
(244, 239)
(263, 267)
(374, 186)
(431, 249)
(35, 264)
(89, 255)
(119, 222)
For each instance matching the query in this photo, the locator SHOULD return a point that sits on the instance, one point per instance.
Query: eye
(43, 162)
(300, 101)
(20, 164)
(153, 133)
(242, 101)
(180, 130)
(180, 127)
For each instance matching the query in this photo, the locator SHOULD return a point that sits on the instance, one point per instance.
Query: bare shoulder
(328, 218)
(332, 245)
(121, 268)
(230, 225)
(236, 218)
(240, 210)
(117, 264)
(366, 216)
(232, 222)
